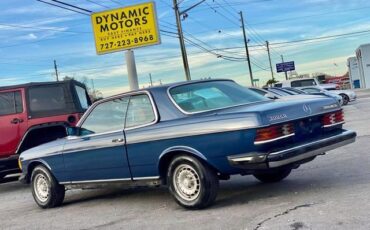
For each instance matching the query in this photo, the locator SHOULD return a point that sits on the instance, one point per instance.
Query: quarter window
(140, 111)
(105, 117)
(11, 103)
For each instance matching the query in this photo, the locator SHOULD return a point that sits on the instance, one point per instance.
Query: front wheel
(273, 176)
(193, 184)
(45, 189)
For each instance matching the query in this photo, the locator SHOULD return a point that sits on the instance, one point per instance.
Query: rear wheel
(345, 99)
(45, 189)
(273, 176)
(194, 185)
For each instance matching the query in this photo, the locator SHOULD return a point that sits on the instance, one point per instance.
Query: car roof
(165, 87)
(27, 85)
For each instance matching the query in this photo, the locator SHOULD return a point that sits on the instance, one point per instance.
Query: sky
(34, 34)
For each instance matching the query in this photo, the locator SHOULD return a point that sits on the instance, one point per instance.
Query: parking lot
(331, 192)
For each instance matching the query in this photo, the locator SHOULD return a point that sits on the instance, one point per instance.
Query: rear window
(278, 85)
(303, 83)
(82, 97)
(10, 103)
(205, 96)
(47, 98)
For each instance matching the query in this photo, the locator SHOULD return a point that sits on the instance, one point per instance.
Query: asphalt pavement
(332, 192)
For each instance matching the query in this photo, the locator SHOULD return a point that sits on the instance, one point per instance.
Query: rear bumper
(295, 154)
(9, 165)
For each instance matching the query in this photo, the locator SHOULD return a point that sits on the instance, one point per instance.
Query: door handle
(16, 121)
(117, 140)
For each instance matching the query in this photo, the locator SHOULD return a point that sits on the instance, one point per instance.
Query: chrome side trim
(146, 178)
(275, 164)
(109, 180)
(194, 129)
(95, 181)
(272, 140)
(339, 123)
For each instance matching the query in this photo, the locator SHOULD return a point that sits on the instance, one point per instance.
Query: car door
(13, 121)
(98, 153)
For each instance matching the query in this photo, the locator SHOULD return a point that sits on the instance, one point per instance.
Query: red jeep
(36, 113)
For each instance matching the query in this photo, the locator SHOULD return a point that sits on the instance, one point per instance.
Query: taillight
(274, 133)
(332, 119)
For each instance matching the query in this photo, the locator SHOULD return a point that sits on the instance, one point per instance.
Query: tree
(270, 82)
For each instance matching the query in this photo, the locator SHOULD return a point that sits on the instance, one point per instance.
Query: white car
(346, 95)
(305, 82)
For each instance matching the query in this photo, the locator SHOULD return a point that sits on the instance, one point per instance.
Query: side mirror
(73, 131)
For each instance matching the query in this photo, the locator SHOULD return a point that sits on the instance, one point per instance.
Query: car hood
(286, 108)
(50, 148)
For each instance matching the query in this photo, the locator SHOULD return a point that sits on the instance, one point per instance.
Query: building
(354, 74)
(363, 58)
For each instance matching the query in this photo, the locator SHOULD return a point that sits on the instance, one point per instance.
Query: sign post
(126, 28)
(285, 67)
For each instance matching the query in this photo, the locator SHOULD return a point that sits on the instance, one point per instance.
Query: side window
(140, 111)
(105, 117)
(303, 83)
(11, 103)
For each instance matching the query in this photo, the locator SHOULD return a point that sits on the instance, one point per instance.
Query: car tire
(345, 99)
(193, 184)
(273, 175)
(45, 189)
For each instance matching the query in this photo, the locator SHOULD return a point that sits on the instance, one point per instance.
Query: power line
(98, 4)
(62, 7)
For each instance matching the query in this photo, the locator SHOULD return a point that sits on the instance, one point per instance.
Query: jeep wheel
(345, 99)
(273, 175)
(45, 189)
(194, 185)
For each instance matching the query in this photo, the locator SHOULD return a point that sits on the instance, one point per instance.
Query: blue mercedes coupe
(187, 136)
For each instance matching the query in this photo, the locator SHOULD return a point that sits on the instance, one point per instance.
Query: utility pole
(131, 70)
(93, 88)
(181, 35)
(286, 73)
(268, 51)
(246, 48)
(56, 70)
(150, 78)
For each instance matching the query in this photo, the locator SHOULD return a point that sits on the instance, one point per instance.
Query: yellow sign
(125, 28)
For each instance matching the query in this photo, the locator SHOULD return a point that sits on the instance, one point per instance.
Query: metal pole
(268, 51)
(246, 49)
(150, 77)
(56, 70)
(131, 70)
(286, 73)
(182, 43)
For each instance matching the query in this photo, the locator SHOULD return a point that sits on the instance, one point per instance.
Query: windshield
(205, 96)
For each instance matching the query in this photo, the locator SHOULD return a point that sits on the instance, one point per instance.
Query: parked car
(36, 113)
(347, 95)
(320, 91)
(265, 93)
(305, 82)
(187, 136)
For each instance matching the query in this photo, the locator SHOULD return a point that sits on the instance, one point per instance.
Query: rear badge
(278, 117)
(307, 109)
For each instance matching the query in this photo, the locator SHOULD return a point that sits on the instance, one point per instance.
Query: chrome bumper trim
(275, 164)
(272, 140)
(293, 154)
